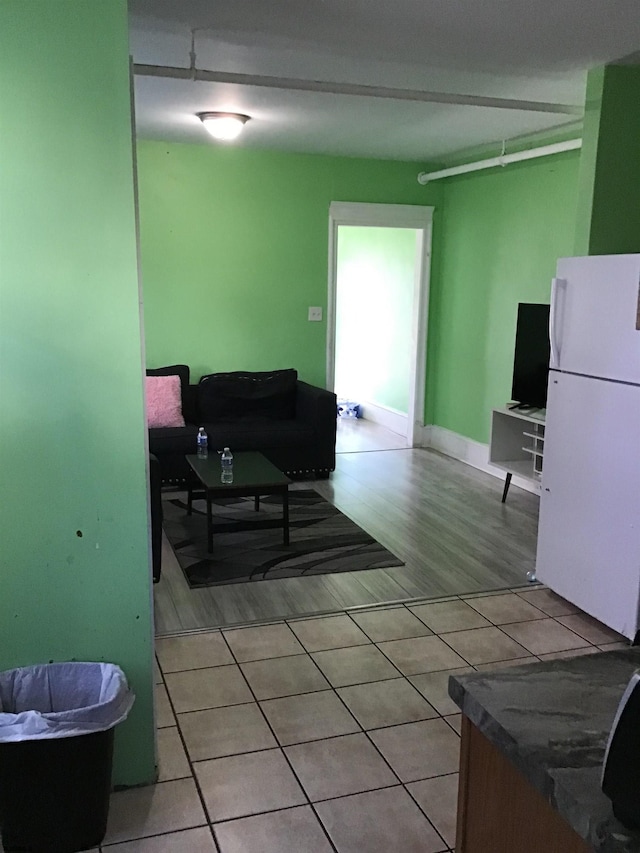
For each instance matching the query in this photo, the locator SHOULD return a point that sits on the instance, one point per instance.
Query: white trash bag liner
(59, 700)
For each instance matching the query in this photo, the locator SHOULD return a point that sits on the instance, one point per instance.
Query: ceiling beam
(329, 88)
(502, 160)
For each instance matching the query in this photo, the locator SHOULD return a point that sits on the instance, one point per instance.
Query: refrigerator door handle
(556, 283)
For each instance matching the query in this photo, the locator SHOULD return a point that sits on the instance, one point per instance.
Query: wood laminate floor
(358, 435)
(443, 518)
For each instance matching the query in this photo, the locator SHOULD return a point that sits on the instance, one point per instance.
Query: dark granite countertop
(552, 720)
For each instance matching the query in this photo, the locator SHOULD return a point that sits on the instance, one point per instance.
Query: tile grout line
(528, 653)
(553, 619)
(452, 632)
(492, 624)
(404, 784)
(334, 689)
(422, 811)
(189, 761)
(326, 689)
(480, 663)
(105, 848)
(282, 752)
(192, 762)
(499, 627)
(374, 744)
(375, 643)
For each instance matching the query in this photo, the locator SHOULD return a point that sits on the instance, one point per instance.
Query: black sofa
(291, 422)
(155, 492)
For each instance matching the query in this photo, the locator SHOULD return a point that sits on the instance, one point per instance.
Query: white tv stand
(517, 443)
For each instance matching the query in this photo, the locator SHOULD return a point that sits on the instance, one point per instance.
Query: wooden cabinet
(499, 811)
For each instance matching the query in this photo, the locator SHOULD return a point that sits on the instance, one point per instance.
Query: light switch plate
(315, 314)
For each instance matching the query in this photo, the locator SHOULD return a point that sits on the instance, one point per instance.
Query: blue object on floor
(348, 409)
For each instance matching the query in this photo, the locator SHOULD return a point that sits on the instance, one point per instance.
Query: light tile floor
(329, 734)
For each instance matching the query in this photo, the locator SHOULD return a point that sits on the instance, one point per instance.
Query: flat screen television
(531, 360)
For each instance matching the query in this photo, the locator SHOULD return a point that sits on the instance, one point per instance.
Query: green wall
(588, 160)
(74, 526)
(234, 251)
(608, 217)
(376, 270)
(235, 246)
(502, 232)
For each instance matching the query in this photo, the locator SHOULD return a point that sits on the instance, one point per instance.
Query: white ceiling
(514, 50)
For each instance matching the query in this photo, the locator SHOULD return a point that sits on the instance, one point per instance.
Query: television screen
(531, 361)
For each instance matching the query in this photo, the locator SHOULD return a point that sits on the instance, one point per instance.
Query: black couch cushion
(268, 394)
(155, 492)
(181, 440)
(260, 435)
(190, 404)
(181, 370)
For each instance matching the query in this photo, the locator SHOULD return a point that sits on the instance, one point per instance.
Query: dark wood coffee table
(253, 476)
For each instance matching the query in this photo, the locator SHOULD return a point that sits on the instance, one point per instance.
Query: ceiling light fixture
(224, 126)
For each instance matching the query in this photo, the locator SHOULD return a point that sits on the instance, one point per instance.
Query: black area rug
(322, 540)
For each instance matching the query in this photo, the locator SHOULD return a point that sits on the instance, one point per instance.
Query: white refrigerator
(589, 529)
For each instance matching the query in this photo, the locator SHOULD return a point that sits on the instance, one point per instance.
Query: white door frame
(412, 216)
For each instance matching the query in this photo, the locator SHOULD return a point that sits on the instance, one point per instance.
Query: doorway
(379, 258)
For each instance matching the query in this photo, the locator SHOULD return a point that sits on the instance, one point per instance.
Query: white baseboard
(389, 418)
(422, 435)
(472, 452)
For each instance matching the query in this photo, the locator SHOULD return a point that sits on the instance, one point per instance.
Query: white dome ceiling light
(224, 126)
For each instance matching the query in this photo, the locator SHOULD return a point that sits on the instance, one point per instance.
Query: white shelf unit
(517, 443)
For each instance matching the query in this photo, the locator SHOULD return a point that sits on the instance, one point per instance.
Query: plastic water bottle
(203, 443)
(226, 462)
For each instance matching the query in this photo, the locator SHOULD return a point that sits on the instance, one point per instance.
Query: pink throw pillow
(164, 402)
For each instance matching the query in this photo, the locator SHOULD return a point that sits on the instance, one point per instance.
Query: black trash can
(56, 748)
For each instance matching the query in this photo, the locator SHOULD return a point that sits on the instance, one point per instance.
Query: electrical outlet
(315, 314)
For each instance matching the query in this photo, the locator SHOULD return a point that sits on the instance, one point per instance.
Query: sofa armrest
(315, 405)
(190, 405)
(317, 408)
(155, 490)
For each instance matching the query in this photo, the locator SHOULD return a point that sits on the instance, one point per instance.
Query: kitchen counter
(551, 720)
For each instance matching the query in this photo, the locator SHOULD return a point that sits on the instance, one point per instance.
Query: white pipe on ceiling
(503, 160)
